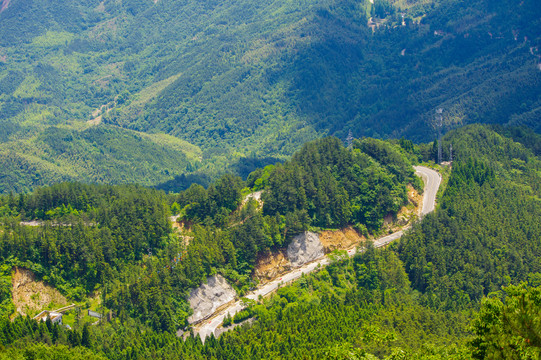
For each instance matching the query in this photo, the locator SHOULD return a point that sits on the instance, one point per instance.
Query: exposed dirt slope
(30, 296)
(340, 239)
(304, 248)
(270, 266)
(210, 297)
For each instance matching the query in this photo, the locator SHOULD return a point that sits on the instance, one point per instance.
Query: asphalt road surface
(206, 327)
(432, 180)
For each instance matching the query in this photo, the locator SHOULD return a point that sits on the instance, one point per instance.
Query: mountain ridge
(239, 80)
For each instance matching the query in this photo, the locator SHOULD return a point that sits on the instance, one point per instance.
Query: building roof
(42, 316)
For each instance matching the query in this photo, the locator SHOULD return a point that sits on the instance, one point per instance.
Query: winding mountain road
(206, 327)
(432, 181)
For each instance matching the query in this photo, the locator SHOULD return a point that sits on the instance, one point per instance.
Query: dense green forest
(93, 155)
(116, 115)
(462, 283)
(244, 81)
(105, 238)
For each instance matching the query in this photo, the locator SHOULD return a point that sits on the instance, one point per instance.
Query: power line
(439, 125)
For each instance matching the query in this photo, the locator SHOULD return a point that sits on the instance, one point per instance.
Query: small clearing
(180, 227)
(97, 115)
(101, 7)
(30, 296)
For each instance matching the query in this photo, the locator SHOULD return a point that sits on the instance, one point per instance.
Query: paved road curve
(432, 182)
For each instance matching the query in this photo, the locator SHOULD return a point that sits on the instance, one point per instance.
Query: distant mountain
(241, 79)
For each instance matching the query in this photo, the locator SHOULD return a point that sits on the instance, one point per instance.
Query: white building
(56, 318)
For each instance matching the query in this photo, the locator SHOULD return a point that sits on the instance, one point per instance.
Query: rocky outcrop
(209, 297)
(271, 265)
(304, 248)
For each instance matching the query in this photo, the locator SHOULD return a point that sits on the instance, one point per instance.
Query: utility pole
(439, 125)
(451, 153)
(349, 139)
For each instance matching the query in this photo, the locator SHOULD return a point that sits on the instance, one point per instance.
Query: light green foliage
(6, 305)
(509, 327)
(44, 352)
(53, 39)
(95, 154)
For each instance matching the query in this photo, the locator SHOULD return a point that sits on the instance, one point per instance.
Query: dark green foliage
(319, 312)
(413, 300)
(183, 182)
(329, 186)
(245, 166)
(323, 185)
(214, 203)
(21, 175)
(9, 83)
(487, 231)
(25, 339)
(522, 135)
(331, 307)
(247, 80)
(86, 340)
(382, 8)
(119, 237)
(97, 232)
(23, 20)
(6, 305)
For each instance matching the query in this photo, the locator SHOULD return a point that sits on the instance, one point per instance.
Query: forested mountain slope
(107, 237)
(93, 154)
(421, 298)
(238, 78)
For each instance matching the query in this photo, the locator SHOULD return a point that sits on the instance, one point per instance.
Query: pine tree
(86, 340)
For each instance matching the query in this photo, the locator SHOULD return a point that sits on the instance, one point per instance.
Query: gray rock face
(207, 298)
(304, 248)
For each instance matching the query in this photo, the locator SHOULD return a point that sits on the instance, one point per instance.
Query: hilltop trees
(335, 187)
